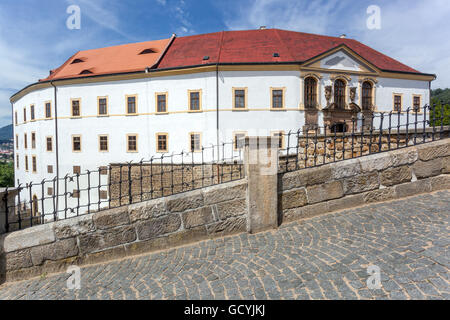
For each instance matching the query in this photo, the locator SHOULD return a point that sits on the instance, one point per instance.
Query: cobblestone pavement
(324, 257)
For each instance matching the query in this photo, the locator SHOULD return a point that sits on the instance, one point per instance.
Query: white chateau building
(135, 101)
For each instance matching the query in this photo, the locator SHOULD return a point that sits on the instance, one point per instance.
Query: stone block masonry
(128, 230)
(373, 178)
(256, 202)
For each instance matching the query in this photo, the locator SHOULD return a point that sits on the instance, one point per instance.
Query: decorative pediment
(341, 58)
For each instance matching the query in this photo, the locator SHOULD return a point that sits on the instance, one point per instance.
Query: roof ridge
(220, 46)
(284, 44)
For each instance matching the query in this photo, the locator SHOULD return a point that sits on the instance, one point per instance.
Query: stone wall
(225, 209)
(127, 230)
(355, 182)
(156, 180)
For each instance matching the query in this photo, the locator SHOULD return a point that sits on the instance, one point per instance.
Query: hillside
(6, 133)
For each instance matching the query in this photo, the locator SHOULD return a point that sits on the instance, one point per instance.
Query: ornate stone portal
(337, 118)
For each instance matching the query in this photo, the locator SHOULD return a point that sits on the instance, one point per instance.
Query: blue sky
(34, 37)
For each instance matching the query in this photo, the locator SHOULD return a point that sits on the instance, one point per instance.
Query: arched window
(366, 95)
(35, 207)
(339, 94)
(310, 93)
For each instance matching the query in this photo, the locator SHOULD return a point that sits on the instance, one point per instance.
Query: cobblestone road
(321, 258)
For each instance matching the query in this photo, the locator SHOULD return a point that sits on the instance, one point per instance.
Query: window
(416, 103)
(240, 98)
(162, 142)
(26, 163)
(102, 106)
(77, 61)
(49, 169)
(103, 143)
(76, 107)
(49, 144)
(24, 114)
(161, 102)
(76, 169)
(366, 95)
(32, 112)
(17, 142)
(33, 140)
(49, 191)
(310, 93)
(195, 142)
(147, 51)
(277, 98)
(239, 140)
(34, 164)
(48, 110)
(397, 103)
(76, 143)
(75, 193)
(131, 104)
(15, 118)
(280, 136)
(195, 100)
(103, 194)
(339, 94)
(25, 140)
(132, 143)
(17, 161)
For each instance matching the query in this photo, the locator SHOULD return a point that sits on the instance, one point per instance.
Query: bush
(6, 174)
(439, 113)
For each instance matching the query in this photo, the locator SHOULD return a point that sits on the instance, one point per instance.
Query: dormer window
(86, 72)
(77, 61)
(147, 51)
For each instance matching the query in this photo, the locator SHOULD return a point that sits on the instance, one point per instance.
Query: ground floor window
(195, 142)
(162, 142)
(103, 143)
(132, 143)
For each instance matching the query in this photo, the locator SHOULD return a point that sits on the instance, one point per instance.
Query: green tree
(439, 113)
(6, 174)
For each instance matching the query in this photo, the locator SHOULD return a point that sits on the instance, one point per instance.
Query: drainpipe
(217, 100)
(14, 143)
(56, 143)
(217, 111)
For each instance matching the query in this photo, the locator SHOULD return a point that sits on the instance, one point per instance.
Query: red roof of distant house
(250, 46)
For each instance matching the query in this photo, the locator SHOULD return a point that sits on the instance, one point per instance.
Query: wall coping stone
(27, 238)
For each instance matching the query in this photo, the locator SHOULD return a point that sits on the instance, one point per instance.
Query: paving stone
(323, 257)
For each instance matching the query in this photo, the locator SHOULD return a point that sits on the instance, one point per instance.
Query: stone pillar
(2, 213)
(261, 168)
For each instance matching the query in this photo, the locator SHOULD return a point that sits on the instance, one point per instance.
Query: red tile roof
(117, 59)
(250, 46)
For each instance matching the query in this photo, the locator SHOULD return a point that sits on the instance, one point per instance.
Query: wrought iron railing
(363, 135)
(120, 184)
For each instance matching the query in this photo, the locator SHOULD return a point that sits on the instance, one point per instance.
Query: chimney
(262, 28)
(343, 36)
